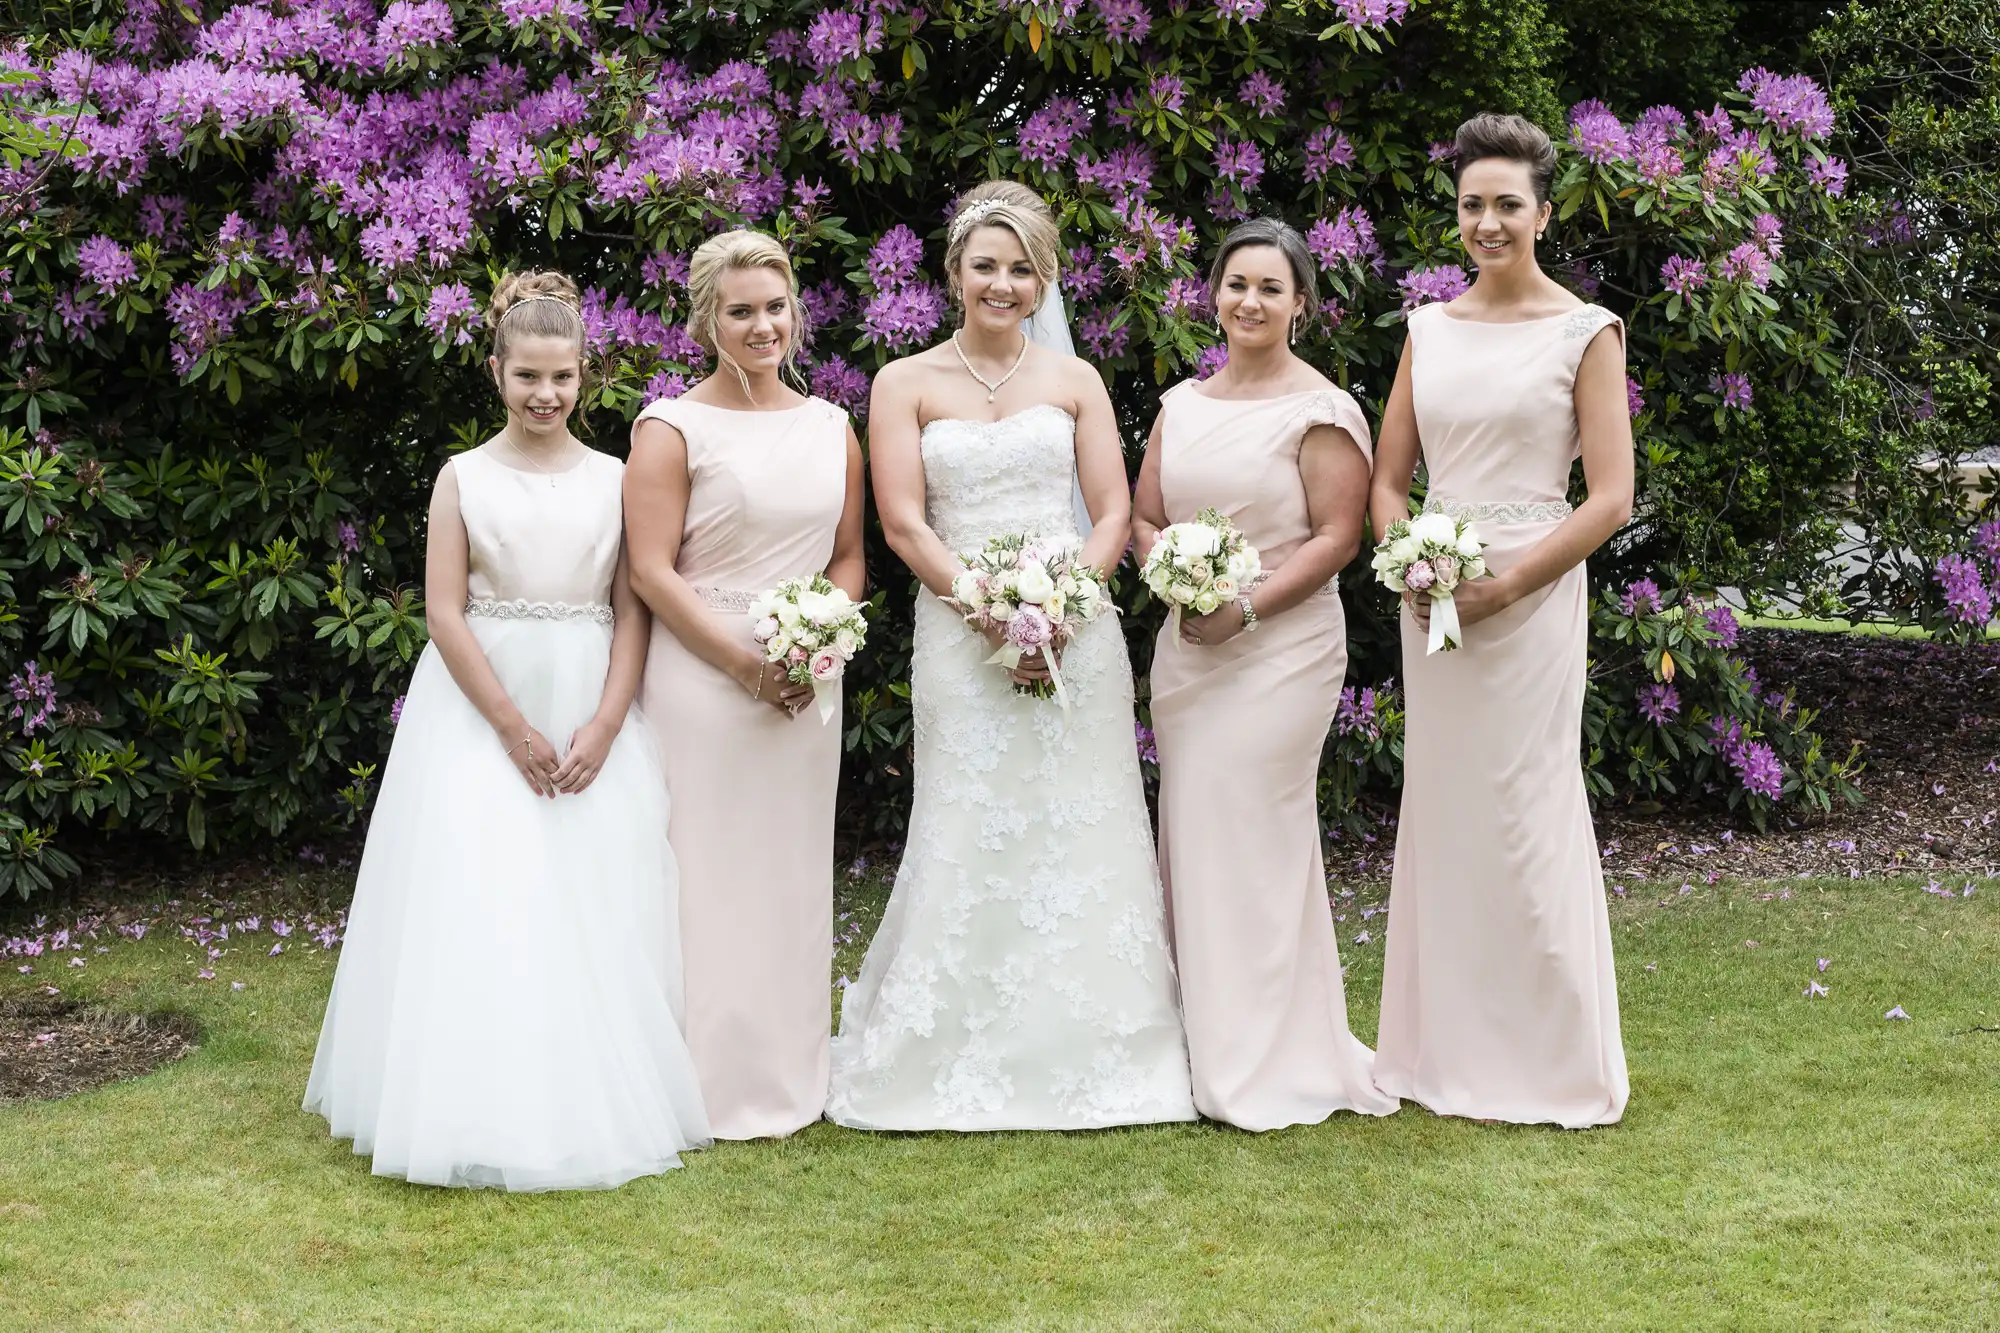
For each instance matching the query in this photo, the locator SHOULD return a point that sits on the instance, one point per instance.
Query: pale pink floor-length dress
(753, 790)
(1499, 1000)
(1240, 729)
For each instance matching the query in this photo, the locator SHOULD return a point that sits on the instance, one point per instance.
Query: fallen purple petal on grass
(206, 974)
(1652, 967)
(236, 985)
(26, 969)
(276, 949)
(1363, 937)
(1897, 1013)
(1814, 991)
(76, 962)
(1824, 963)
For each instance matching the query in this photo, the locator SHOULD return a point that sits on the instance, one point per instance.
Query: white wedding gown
(1021, 977)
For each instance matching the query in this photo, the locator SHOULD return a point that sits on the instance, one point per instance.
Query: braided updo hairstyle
(534, 304)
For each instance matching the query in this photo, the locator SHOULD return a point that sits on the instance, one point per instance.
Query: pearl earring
(1295, 330)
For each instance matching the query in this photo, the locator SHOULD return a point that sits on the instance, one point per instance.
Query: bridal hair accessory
(969, 216)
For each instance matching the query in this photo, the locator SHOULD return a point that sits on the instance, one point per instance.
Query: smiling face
(997, 280)
(540, 383)
(1497, 213)
(1258, 298)
(754, 318)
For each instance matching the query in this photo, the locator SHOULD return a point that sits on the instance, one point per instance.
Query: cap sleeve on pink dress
(1336, 407)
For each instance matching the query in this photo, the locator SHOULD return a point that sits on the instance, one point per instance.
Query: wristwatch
(1249, 612)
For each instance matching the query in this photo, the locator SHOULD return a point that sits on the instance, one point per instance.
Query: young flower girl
(506, 1011)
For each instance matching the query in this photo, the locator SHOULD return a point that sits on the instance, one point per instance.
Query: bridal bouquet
(1432, 554)
(815, 629)
(1036, 594)
(1200, 566)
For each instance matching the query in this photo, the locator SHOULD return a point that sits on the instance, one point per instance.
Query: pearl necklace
(992, 387)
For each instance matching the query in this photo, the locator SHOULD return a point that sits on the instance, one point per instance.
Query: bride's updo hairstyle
(726, 253)
(1020, 210)
(1490, 134)
(1280, 236)
(535, 304)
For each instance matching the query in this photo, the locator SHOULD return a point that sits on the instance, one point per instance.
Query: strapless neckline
(999, 421)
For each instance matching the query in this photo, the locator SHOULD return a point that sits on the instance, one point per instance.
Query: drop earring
(1295, 330)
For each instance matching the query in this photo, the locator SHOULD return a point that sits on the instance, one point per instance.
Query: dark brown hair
(1490, 134)
(1282, 237)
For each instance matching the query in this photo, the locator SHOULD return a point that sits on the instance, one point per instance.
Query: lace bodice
(990, 479)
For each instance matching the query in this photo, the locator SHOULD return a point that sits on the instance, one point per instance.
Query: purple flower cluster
(1104, 341)
(451, 314)
(1239, 162)
(1445, 282)
(105, 262)
(1360, 711)
(409, 25)
(1149, 750)
(1635, 397)
(1186, 296)
(896, 260)
(1642, 597)
(1211, 360)
(1723, 627)
(1083, 273)
(1325, 149)
(1733, 389)
(1597, 134)
(1829, 173)
(34, 692)
(905, 309)
(1682, 276)
(1756, 764)
(1346, 237)
(1048, 137)
(1243, 11)
(1749, 263)
(1769, 233)
(1125, 20)
(1965, 590)
(841, 384)
(1659, 703)
(1793, 103)
(1371, 13)
(1262, 94)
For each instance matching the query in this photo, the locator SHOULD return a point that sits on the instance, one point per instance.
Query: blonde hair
(535, 304)
(727, 253)
(1020, 210)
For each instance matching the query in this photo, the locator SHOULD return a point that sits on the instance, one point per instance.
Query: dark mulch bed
(53, 1048)
(1927, 719)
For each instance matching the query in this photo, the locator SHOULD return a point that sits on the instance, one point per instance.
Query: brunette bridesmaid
(1243, 697)
(738, 484)
(1499, 1001)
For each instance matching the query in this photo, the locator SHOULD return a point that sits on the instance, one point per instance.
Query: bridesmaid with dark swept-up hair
(1499, 1000)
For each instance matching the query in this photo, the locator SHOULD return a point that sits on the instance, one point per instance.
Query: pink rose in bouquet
(826, 665)
(1420, 576)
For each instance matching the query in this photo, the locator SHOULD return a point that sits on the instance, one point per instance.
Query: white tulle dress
(506, 1009)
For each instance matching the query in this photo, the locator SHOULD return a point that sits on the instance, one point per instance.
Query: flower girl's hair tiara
(538, 296)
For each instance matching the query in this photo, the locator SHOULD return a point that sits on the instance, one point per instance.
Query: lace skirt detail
(1499, 511)
(521, 609)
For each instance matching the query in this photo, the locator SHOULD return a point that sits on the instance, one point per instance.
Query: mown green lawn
(1787, 1163)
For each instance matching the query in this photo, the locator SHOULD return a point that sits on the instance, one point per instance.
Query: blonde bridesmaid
(1243, 697)
(1499, 1000)
(736, 485)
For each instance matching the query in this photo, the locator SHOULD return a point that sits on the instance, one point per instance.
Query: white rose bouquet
(815, 629)
(1201, 566)
(1036, 594)
(1432, 554)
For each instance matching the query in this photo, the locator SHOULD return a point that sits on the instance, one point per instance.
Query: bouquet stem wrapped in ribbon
(815, 629)
(1202, 566)
(1431, 555)
(1036, 594)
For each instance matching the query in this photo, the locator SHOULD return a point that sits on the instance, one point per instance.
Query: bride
(1021, 977)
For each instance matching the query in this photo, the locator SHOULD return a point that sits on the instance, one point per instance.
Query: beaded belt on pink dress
(727, 599)
(1502, 511)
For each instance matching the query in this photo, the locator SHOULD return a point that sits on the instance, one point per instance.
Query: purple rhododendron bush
(247, 251)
